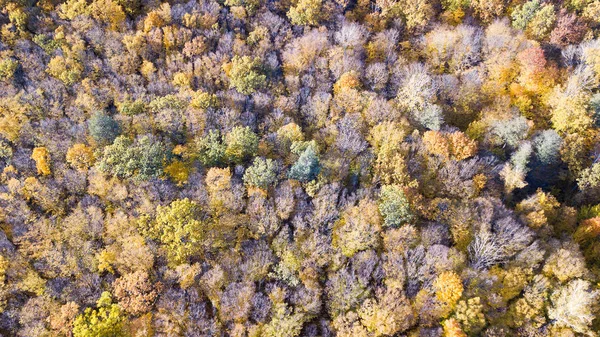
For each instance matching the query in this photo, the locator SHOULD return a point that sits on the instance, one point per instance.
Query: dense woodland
(283, 168)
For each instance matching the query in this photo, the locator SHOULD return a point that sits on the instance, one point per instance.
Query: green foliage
(178, 228)
(107, 320)
(46, 42)
(511, 131)
(132, 108)
(284, 323)
(241, 144)
(547, 146)
(204, 100)
(167, 102)
(306, 12)
(261, 174)
(246, 75)
(103, 128)
(211, 150)
(542, 22)
(522, 15)
(588, 212)
(595, 106)
(590, 177)
(5, 150)
(394, 206)
(307, 167)
(8, 66)
(143, 159)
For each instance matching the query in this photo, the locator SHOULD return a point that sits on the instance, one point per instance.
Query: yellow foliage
(147, 69)
(10, 125)
(448, 288)
(106, 259)
(569, 114)
(182, 79)
(108, 12)
(436, 143)
(42, 158)
(33, 283)
(588, 230)
(218, 179)
(461, 146)
(390, 165)
(178, 171)
(80, 156)
(452, 328)
(358, 229)
(348, 80)
(454, 145)
(66, 69)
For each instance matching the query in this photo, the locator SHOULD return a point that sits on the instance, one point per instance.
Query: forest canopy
(289, 168)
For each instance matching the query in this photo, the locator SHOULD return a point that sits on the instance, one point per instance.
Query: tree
(245, 74)
(534, 17)
(470, 315)
(589, 178)
(241, 144)
(452, 328)
(487, 10)
(448, 288)
(572, 306)
(390, 314)
(418, 13)
(394, 206)
(107, 320)
(80, 157)
(570, 113)
(178, 228)
(103, 128)
(8, 66)
(306, 12)
(569, 29)
(386, 140)
(547, 145)
(211, 150)
(42, 160)
(565, 264)
(511, 131)
(61, 321)
(108, 12)
(261, 174)
(284, 322)
(307, 167)
(142, 159)
(358, 228)
(135, 293)
(67, 69)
